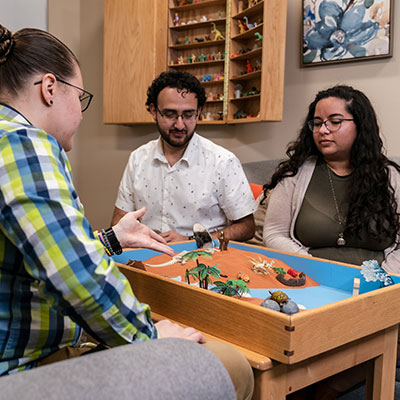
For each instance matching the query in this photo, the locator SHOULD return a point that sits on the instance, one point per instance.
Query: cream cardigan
(284, 206)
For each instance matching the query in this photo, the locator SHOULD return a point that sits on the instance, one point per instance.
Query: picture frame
(337, 31)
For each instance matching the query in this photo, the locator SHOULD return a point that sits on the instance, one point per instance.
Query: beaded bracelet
(105, 242)
(113, 241)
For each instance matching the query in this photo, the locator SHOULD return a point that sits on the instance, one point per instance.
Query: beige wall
(101, 151)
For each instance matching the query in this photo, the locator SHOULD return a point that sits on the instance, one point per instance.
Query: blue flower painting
(345, 30)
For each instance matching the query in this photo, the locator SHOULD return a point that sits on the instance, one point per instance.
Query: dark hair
(372, 202)
(31, 51)
(181, 80)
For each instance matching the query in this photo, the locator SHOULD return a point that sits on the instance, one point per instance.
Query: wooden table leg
(385, 367)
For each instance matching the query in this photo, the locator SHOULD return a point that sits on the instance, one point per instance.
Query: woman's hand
(167, 329)
(131, 233)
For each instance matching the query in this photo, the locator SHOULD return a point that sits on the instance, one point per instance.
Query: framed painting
(336, 31)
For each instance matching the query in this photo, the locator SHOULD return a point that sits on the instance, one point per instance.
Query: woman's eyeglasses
(85, 98)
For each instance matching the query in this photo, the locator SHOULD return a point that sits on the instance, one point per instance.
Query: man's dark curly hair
(372, 201)
(181, 80)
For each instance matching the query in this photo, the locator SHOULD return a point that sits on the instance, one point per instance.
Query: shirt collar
(190, 154)
(11, 114)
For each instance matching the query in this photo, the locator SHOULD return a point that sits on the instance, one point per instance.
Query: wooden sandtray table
(286, 352)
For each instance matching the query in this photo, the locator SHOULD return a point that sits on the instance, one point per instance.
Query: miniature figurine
(244, 277)
(219, 77)
(223, 241)
(220, 118)
(231, 288)
(217, 33)
(176, 19)
(202, 236)
(279, 296)
(238, 90)
(190, 59)
(180, 60)
(249, 26)
(242, 28)
(218, 56)
(187, 40)
(261, 266)
(199, 39)
(203, 18)
(258, 36)
(249, 69)
(300, 281)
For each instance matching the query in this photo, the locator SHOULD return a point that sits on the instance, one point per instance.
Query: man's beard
(177, 143)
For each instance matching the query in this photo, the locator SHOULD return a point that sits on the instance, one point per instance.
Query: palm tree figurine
(231, 287)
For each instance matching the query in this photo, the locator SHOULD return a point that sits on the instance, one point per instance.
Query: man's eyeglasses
(85, 98)
(172, 116)
(332, 124)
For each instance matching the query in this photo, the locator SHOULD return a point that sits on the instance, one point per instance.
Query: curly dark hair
(372, 200)
(181, 80)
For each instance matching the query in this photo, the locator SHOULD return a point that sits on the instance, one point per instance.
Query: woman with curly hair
(337, 196)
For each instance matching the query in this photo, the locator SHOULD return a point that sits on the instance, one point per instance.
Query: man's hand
(131, 233)
(172, 236)
(169, 329)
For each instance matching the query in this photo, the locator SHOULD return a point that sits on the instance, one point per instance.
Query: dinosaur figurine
(217, 33)
(249, 26)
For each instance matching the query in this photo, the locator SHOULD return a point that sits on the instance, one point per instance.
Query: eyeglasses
(172, 116)
(332, 124)
(85, 98)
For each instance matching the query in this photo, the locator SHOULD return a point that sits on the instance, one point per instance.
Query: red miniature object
(248, 66)
(292, 272)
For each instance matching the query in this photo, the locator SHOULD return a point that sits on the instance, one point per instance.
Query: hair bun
(6, 43)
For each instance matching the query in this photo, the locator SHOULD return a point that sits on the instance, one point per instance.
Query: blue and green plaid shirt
(55, 277)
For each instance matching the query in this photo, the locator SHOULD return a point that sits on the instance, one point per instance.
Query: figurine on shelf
(190, 59)
(219, 15)
(203, 18)
(238, 90)
(218, 56)
(194, 57)
(220, 116)
(209, 57)
(187, 40)
(201, 57)
(180, 60)
(258, 36)
(199, 39)
(219, 77)
(210, 96)
(176, 19)
(257, 65)
(242, 27)
(249, 26)
(249, 69)
(216, 32)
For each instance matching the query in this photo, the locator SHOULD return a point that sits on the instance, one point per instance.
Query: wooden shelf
(197, 64)
(253, 96)
(212, 83)
(198, 45)
(248, 55)
(197, 25)
(140, 42)
(249, 33)
(196, 6)
(246, 77)
(250, 11)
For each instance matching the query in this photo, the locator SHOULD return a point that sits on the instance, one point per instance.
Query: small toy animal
(279, 296)
(217, 33)
(244, 277)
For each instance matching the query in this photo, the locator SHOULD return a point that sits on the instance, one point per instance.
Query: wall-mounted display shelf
(236, 48)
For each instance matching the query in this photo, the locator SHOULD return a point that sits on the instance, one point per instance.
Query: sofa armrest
(158, 369)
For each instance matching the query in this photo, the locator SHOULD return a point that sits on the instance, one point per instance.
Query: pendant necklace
(341, 241)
